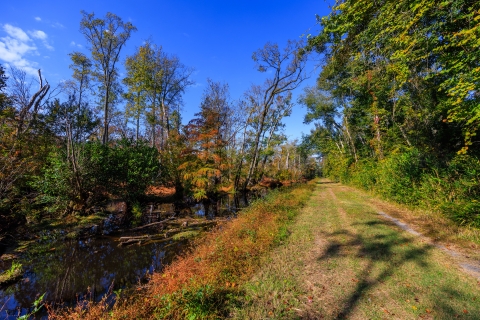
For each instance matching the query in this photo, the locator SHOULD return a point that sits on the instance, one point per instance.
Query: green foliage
(11, 275)
(197, 303)
(398, 176)
(130, 167)
(37, 305)
(106, 37)
(403, 67)
(136, 213)
(4, 101)
(415, 179)
(454, 189)
(397, 98)
(124, 170)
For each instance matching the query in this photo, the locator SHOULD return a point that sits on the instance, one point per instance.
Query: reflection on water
(224, 207)
(75, 268)
(79, 269)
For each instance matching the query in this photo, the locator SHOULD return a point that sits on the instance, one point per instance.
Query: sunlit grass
(358, 266)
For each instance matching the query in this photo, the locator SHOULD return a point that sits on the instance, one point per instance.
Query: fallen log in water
(152, 224)
(164, 236)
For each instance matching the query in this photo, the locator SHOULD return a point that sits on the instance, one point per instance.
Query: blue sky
(217, 38)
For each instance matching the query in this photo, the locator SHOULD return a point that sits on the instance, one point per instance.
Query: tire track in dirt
(325, 274)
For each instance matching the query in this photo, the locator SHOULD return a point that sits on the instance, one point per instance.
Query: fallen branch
(152, 224)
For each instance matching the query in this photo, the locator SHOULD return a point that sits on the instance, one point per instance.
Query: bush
(454, 189)
(364, 174)
(398, 176)
(124, 170)
(450, 186)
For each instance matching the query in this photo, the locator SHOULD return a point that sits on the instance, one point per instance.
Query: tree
(73, 122)
(161, 79)
(82, 73)
(170, 80)
(408, 70)
(106, 37)
(4, 101)
(26, 104)
(287, 67)
(138, 80)
(23, 140)
(206, 136)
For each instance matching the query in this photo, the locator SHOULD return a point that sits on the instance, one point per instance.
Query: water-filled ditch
(70, 270)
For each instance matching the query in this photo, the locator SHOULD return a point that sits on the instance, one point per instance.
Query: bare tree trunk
(34, 102)
(352, 144)
(240, 164)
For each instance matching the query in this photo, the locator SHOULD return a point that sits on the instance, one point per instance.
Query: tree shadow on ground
(378, 252)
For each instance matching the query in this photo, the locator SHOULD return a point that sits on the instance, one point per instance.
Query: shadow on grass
(380, 249)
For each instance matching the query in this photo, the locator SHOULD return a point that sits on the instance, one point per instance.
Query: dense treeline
(397, 103)
(64, 149)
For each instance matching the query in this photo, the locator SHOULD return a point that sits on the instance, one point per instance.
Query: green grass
(342, 260)
(11, 274)
(186, 235)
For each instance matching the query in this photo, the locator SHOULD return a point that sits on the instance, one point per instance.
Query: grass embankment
(206, 282)
(342, 260)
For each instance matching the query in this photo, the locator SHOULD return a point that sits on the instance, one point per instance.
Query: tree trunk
(105, 118)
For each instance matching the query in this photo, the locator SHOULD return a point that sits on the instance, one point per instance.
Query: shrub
(124, 170)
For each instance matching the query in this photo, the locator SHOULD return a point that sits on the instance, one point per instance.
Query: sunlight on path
(473, 269)
(345, 260)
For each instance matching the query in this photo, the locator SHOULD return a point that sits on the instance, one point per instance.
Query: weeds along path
(344, 260)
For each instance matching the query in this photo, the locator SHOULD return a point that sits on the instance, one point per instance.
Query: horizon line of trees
(66, 148)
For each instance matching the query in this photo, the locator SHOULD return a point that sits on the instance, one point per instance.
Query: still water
(73, 270)
(76, 270)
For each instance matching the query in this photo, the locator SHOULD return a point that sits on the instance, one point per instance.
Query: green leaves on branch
(398, 59)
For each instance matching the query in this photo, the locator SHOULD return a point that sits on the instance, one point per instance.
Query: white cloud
(58, 25)
(39, 34)
(74, 44)
(15, 46)
(15, 32)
